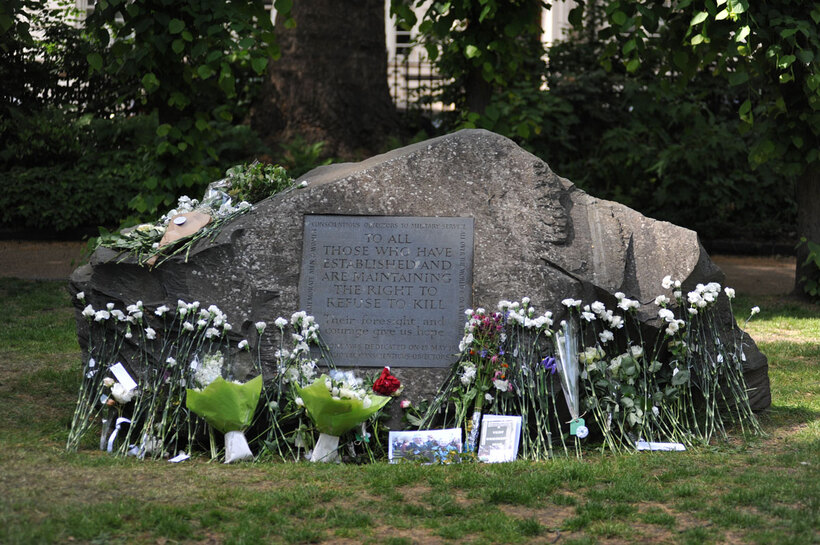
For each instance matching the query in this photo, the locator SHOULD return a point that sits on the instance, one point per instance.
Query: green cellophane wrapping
(336, 416)
(226, 406)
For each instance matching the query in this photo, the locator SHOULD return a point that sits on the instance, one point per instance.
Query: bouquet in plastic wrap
(336, 404)
(568, 371)
(228, 407)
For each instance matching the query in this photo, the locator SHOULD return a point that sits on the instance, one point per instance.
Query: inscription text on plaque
(388, 290)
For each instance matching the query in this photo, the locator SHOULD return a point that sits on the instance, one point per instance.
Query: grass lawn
(766, 490)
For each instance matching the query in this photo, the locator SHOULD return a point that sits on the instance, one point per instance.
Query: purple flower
(550, 364)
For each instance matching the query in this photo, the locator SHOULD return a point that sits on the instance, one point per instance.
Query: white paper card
(500, 436)
(181, 457)
(122, 376)
(652, 445)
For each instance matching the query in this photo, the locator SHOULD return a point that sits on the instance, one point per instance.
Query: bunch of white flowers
(206, 371)
(625, 303)
(296, 365)
(591, 354)
(468, 372)
(523, 314)
(703, 295)
(346, 385)
(673, 324)
(185, 204)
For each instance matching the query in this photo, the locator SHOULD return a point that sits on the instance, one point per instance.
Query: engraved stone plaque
(388, 290)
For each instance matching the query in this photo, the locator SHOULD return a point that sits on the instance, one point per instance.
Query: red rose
(386, 384)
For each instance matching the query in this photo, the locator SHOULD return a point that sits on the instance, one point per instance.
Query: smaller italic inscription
(388, 290)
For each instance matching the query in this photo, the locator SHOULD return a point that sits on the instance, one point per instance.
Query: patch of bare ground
(417, 536)
(552, 518)
(417, 495)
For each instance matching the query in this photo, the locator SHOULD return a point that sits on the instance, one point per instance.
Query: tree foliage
(480, 47)
(192, 64)
(768, 52)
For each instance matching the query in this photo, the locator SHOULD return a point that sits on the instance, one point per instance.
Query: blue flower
(550, 364)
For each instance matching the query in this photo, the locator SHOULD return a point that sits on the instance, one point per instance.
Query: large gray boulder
(536, 235)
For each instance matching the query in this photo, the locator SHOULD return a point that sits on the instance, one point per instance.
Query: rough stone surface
(536, 235)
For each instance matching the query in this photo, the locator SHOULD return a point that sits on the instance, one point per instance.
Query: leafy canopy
(768, 50)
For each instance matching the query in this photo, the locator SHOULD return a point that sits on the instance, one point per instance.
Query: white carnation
(122, 395)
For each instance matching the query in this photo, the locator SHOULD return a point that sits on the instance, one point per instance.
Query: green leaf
(738, 78)
(150, 82)
(576, 16)
(95, 61)
(785, 61)
(283, 6)
(805, 55)
(619, 18)
(697, 39)
(175, 26)
(163, 130)
(204, 71)
(414, 420)
(698, 18)
(5, 22)
(629, 46)
(745, 112)
(738, 6)
(259, 64)
(227, 82)
(247, 43)
(723, 14)
(680, 378)
(743, 34)
(681, 60)
(633, 65)
(471, 51)
(485, 12)
(178, 46)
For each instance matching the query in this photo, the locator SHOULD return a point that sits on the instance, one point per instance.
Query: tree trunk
(331, 82)
(808, 223)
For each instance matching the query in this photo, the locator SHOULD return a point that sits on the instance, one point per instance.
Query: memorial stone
(533, 234)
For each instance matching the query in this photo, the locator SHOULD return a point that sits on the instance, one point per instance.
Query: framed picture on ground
(426, 446)
(499, 438)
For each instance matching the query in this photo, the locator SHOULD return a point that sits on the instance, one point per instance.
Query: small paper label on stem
(122, 376)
